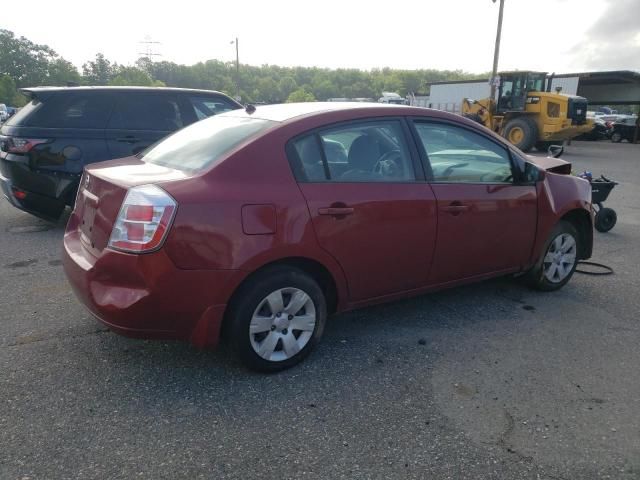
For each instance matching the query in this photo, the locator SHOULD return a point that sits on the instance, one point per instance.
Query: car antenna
(250, 108)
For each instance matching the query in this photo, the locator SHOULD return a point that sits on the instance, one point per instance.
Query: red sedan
(261, 223)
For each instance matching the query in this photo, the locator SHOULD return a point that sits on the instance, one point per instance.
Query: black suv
(46, 145)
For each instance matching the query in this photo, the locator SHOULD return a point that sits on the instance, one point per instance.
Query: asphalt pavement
(489, 381)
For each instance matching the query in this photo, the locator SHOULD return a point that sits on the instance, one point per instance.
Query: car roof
(34, 91)
(287, 111)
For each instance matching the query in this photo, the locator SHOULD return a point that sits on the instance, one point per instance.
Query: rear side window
(357, 152)
(67, 110)
(136, 111)
(198, 146)
(208, 106)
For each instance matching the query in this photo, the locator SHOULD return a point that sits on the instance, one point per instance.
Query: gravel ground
(485, 381)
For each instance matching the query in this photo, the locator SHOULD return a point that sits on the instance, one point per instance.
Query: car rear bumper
(146, 296)
(45, 193)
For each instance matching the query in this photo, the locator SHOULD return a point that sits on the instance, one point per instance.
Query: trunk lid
(102, 190)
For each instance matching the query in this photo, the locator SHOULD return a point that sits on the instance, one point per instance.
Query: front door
(368, 208)
(486, 222)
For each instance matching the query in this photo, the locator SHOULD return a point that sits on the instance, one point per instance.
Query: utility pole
(237, 69)
(496, 52)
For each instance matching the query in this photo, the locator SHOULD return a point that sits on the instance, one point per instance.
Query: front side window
(209, 106)
(358, 152)
(457, 155)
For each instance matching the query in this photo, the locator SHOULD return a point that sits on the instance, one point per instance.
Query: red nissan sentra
(263, 222)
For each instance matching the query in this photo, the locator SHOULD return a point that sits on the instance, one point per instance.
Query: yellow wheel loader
(528, 114)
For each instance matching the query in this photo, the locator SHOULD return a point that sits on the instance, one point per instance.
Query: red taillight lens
(23, 145)
(143, 221)
(19, 194)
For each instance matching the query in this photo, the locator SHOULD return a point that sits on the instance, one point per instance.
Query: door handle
(456, 208)
(128, 139)
(335, 211)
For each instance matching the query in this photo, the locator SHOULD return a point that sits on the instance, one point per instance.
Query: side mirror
(556, 151)
(532, 173)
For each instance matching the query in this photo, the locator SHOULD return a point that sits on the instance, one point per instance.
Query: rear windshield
(66, 110)
(24, 112)
(200, 145)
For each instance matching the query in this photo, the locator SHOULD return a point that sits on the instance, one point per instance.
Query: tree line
(24, 63)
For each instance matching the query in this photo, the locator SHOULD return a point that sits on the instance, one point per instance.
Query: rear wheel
(616, 137)
(276, 319)
(559, 260)
(522, 132)
(606, 219)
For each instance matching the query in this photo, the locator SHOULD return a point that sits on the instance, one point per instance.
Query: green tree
(9, 94)
(286, 85)
(61, 72)
(301, 95)
(27, 63)
(98, 71)
(267, 90)
(131, 76)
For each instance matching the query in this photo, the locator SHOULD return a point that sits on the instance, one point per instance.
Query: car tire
(267, 340)
(543, 147)
(544, 276)
(606, 219)
(527, 133)
(616, 137)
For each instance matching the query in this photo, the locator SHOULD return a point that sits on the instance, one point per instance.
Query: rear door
(370, 207)
(486, 221)
(140, 119)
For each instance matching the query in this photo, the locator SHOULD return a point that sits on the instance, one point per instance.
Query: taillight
(23, 145)
(143, 221)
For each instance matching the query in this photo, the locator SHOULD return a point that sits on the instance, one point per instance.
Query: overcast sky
(548, 35)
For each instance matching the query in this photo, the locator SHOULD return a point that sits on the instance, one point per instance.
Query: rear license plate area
(86, 225)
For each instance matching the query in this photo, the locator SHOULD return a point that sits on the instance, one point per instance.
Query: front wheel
(616, 137)
(559, 260)
(521, 132)
(276, 319)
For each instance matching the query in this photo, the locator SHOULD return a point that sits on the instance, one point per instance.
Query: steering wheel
(389, 164)
(449, 170)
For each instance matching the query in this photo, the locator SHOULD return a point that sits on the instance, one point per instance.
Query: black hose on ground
(605, 269)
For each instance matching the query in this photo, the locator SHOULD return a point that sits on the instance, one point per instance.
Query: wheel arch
(319, 272)
(583, 223)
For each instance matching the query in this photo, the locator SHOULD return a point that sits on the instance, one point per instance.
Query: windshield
(200, 145)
